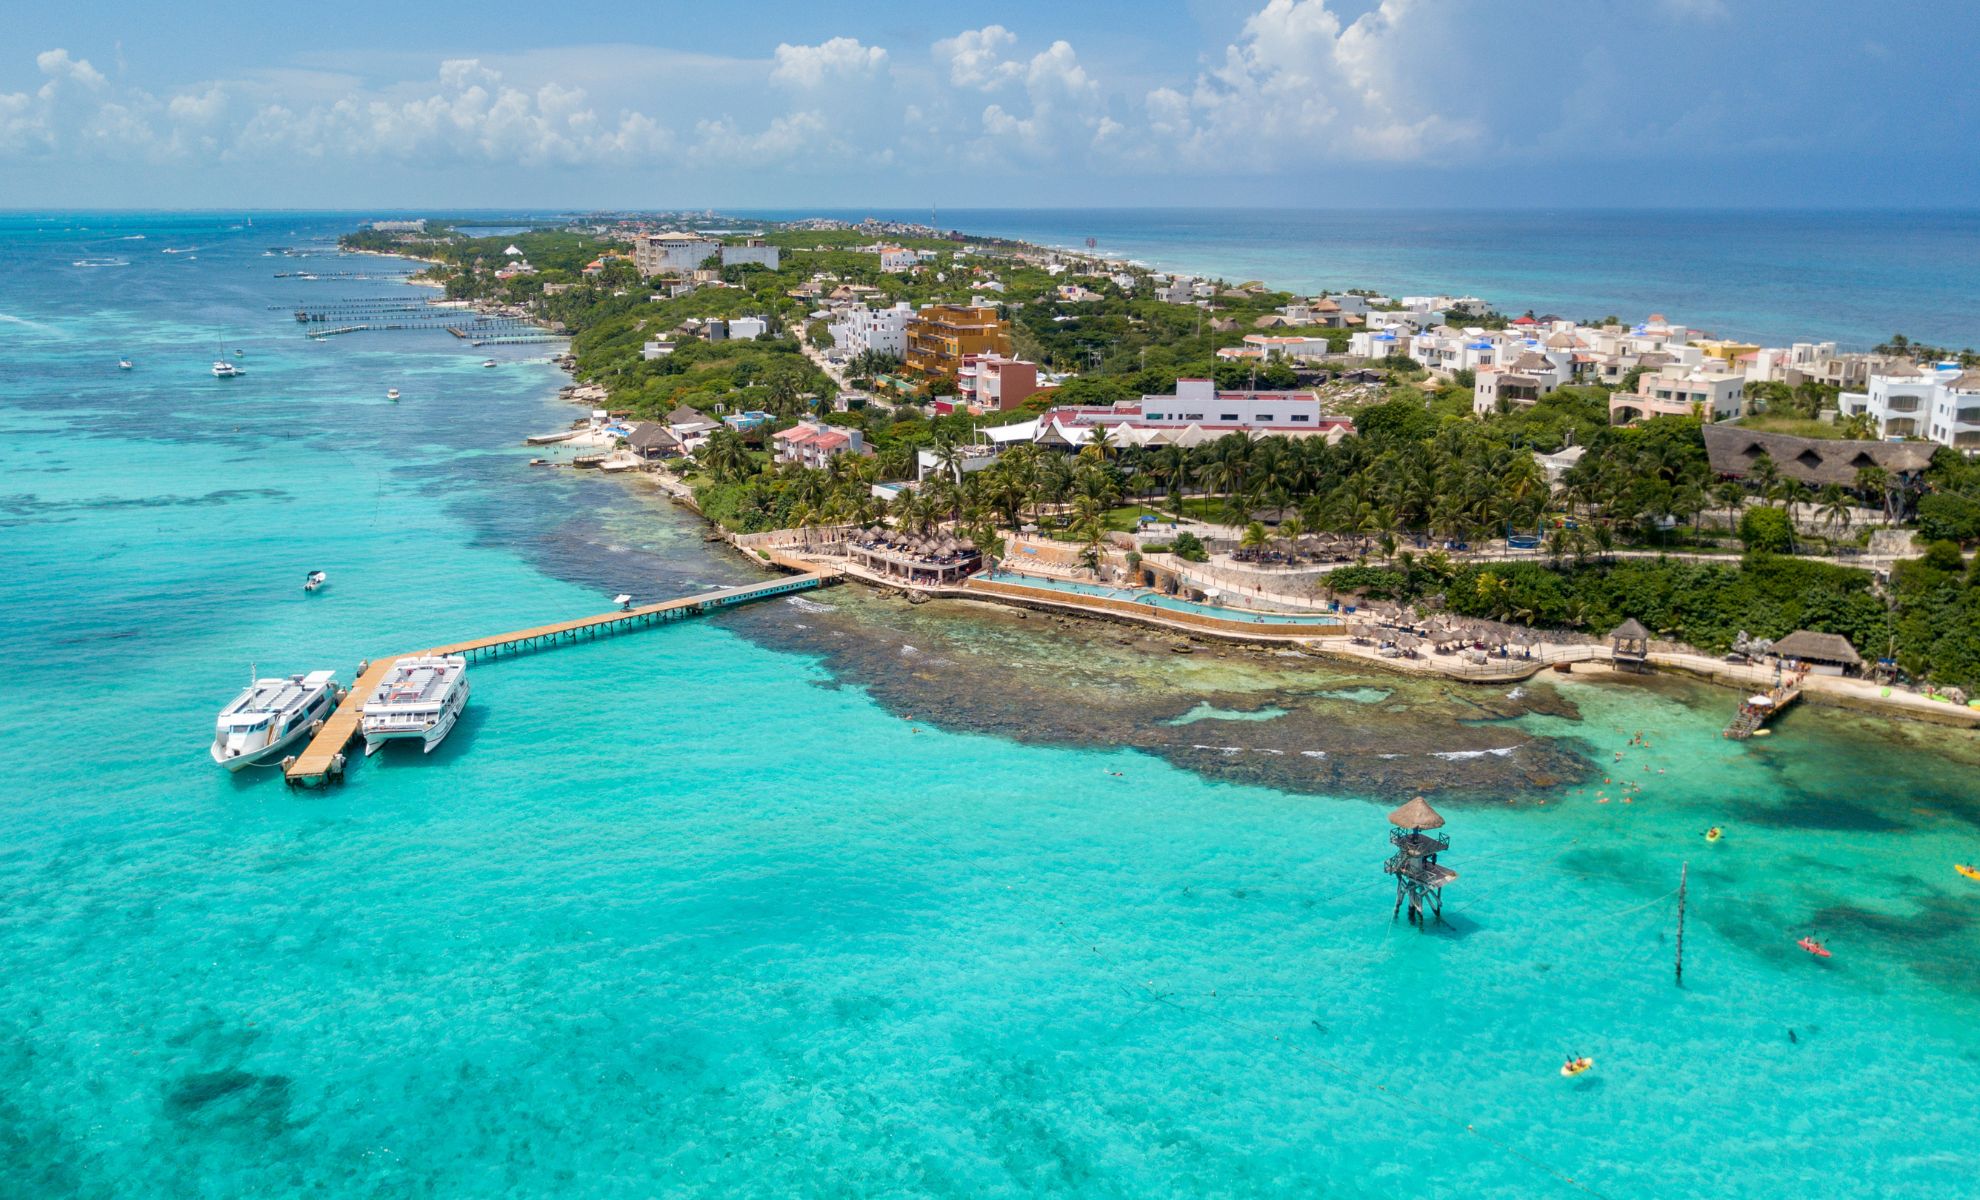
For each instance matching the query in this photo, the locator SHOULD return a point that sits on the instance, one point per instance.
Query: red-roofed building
(811, 444)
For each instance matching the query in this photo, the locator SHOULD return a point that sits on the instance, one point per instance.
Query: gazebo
(1629, 645)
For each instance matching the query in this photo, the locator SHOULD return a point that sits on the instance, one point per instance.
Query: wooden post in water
(1684, 873)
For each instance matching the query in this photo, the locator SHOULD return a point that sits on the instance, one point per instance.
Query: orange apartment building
(940, 336)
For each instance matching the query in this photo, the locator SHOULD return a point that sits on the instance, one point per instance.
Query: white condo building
(860, 330)
(1940, 404)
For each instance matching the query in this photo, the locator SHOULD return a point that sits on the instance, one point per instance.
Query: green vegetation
(1421, 468)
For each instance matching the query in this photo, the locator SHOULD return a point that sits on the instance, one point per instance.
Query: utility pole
(1684, 873)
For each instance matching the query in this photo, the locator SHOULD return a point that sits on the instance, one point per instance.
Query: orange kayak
(1813, 947)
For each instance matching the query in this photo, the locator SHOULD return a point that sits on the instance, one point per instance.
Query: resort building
(861, 330)
(1817, 462)
(1265, 347)
(1940, 404)
(940, 336)
(992, 382)
(754, 253)
(814, 444)
(1680, 391)
(1521, 383)
(895, 260)
(672, 253)
(743, 422)
(690, 425)
(1196, 414)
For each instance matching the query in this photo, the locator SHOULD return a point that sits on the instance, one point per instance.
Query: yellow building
(1725, 352)
(940, 335)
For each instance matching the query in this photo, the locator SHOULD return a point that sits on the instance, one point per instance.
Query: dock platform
(1752, 717)
(322, 760)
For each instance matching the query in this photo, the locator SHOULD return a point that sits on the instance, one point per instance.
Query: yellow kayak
(1714, 834)
(1576, 1066)
(1969, 872)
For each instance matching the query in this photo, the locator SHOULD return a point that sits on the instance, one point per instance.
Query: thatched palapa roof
(1819, 461)
(1818, 647)
(1631, 630)
(1417, 814)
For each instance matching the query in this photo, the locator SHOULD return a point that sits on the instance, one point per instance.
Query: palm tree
(1732, 494)
(1254, 538)
(726, 456)
(1833, 504)
(1292, 530)
(1876, 481)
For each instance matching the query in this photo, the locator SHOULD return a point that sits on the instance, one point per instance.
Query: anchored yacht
(222, 369)
(271, 715)
(420, 697)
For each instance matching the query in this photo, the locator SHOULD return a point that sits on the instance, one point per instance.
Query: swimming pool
(1157, 600)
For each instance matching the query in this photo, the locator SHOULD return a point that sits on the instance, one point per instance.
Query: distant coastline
(1777, 277)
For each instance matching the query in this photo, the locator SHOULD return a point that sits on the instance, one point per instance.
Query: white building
(861, 330)
(1940, 404)
(672, 253)
(895, 260)
(756, 253)
(1198, 413)
(747, 329)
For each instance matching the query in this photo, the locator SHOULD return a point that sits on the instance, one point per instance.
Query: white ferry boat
(270, 716)
(419, 697)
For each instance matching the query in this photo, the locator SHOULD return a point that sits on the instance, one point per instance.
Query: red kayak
(1813, 947)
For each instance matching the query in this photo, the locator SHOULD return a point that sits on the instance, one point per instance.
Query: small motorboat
(1575, 1066)
(123, 364)
(391, 393)
(487, 362)
(1714, 834)
(314, 580)
(1969, 871)
(1813, 947)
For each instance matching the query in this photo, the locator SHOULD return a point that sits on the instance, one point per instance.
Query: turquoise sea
(686, 913)
(1779, 276)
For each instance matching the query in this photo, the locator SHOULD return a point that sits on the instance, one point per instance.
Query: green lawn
(1127, 517)
(1798, 426)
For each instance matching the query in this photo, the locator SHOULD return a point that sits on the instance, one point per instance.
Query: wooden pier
(1751, 717)
(322, 760)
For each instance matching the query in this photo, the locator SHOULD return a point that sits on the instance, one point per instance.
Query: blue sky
(1320, 103)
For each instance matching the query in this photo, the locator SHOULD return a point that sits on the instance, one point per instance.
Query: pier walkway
(323, 758)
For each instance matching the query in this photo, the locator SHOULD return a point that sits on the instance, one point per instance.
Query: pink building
(811, 444)
(992, 382)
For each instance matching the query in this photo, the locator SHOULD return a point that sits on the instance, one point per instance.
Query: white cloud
(56, 64)
(1298, 81)
(841, 60)
(975, 57)
(1709, 11)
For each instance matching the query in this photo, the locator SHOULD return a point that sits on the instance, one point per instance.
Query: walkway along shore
(791, 550)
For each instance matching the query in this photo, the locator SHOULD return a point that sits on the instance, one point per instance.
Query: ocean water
(681, 914)
(1779, 277)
